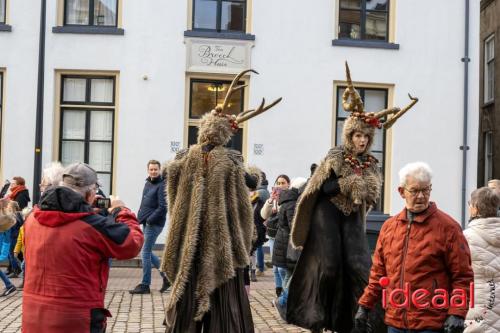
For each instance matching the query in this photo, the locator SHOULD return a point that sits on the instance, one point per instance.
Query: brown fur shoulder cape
(356, 192)
(210, 212)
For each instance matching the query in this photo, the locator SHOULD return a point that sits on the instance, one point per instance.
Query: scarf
(15, 192)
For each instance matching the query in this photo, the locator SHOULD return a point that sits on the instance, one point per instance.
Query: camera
(103, 203)
(4, 189)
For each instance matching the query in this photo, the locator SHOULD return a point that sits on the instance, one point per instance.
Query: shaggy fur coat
(210, 214)
(357, 192)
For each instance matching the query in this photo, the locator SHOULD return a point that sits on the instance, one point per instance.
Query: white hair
(52, 174)
(298, 182)
(421, 171)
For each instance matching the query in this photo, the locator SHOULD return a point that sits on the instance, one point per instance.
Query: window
(489, 69)
(219, 15)
(375, 100)
(91, 12)
(204, 97)
(2, 11)
(364, 20)
(488, 157)
(87, 124)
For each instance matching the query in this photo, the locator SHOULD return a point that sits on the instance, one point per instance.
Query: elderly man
(67, 250)
(419, 248)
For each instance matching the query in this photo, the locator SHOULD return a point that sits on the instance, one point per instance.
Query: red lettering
(458, 299)
(440, 299)
(419, 295)
(405, 293)
(471, 295)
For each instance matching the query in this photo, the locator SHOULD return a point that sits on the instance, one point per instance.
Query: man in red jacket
(419, 248)
(68, 247)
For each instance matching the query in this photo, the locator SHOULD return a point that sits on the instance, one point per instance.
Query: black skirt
(229, 309)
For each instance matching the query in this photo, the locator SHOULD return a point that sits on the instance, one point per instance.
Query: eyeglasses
(414, 192)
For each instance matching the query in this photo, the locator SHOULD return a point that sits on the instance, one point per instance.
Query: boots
(165, 285)
(253, 277)
(140, 289)
(279, 290)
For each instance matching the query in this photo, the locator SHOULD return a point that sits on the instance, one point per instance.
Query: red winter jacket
(67, 251)
(432, 253)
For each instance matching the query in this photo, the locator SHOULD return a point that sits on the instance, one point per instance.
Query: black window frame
(219, 16)
(89, 108)
(3, 20)
(339, 117)
(363, 12)
(191, 119)
(1, 109)
(91, 16)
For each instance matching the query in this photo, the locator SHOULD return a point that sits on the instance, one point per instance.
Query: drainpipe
(39, 107)
(464, 146)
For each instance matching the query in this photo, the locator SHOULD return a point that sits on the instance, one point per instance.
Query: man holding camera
(152, 215)
(68, 246)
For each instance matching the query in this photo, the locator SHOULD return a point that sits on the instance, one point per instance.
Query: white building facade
(126, 81)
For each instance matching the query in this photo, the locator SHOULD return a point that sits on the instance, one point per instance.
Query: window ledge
(5, 27)
(220, 35)
(365, 43)
(489, 103)
(92, 30)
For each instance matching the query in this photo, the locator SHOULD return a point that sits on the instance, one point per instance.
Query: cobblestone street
(144, 313)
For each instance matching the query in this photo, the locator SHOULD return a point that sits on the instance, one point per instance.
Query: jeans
(391, 329)
(149, 259)
(279, 273)
(284, 295)
(260, 258)
(5, 279)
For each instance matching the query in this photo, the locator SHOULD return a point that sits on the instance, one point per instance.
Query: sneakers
(14, 274)
(259, 273)
(165, 285)
(253, 277)
(140, 289)
(9, 290)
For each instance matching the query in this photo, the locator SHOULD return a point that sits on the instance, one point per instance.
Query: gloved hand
(331, 185)
(454, 324)
(361, 319)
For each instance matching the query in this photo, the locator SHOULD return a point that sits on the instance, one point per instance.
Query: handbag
(272, 226)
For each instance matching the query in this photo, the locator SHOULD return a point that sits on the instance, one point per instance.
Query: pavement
(145, 313)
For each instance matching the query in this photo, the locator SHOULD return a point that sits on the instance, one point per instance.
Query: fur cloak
(363, 189)
(210, 214)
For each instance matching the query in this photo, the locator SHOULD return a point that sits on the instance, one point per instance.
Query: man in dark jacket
(152, 215)
(68, 247)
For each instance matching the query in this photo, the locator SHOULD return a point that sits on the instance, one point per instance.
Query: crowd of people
(221, 215)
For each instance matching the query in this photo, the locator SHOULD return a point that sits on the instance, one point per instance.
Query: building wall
(296, 60)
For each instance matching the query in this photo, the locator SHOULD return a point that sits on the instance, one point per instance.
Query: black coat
(22, 198)
(287, 201)
(258, 221)
(153, 210)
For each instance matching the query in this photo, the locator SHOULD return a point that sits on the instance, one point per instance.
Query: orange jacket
(429, 253)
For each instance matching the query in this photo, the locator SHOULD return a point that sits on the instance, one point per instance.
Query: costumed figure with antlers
(329, 225)
(210, 229)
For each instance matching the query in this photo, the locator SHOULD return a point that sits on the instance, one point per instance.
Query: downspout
(39, 108)
(464, 146)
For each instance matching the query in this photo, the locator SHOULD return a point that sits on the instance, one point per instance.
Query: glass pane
(338, 134)
(192, 135)
(236, 141)
(105, 12)
(378, 140)
(205, 14)
(380, 157)
(74, 90)
(2, 11)
(374, 100)
(105, 181)
(101, 90)
(376, 4)
(72, 151)
(233, 16)
(73, 125)
(350, 24)
(235, 103)
(353, 4)
(101, 125)
(491, 81)
(490, 51)
(340, 109)
(77, 12)
(206, 95)
(100, 156)
(376, 26)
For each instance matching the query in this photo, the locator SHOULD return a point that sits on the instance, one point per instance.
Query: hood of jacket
(60, 205)
(488, 229)
(288, 195)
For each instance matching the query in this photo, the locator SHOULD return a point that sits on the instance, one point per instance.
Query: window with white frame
(488, 156)
(87, 124)
(91, 12)
(3, 13)
(219, 15)
(489, 69)
(364, 20)
(205, 95)
(375, 99)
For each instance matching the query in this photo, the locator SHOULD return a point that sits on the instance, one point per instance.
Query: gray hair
(52, 175)
(486, 200)
(84, 190)
(421, 171)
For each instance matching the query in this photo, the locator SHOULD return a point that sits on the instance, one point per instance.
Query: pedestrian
(425, 248)
(483, 236)
(258, 198)
(152, 215)
(68, 246)
(15, 258)
(7, 222)
(19, 192)
(211, 229)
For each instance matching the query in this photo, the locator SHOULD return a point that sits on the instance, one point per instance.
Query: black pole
(39, 107)
(465, 147)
